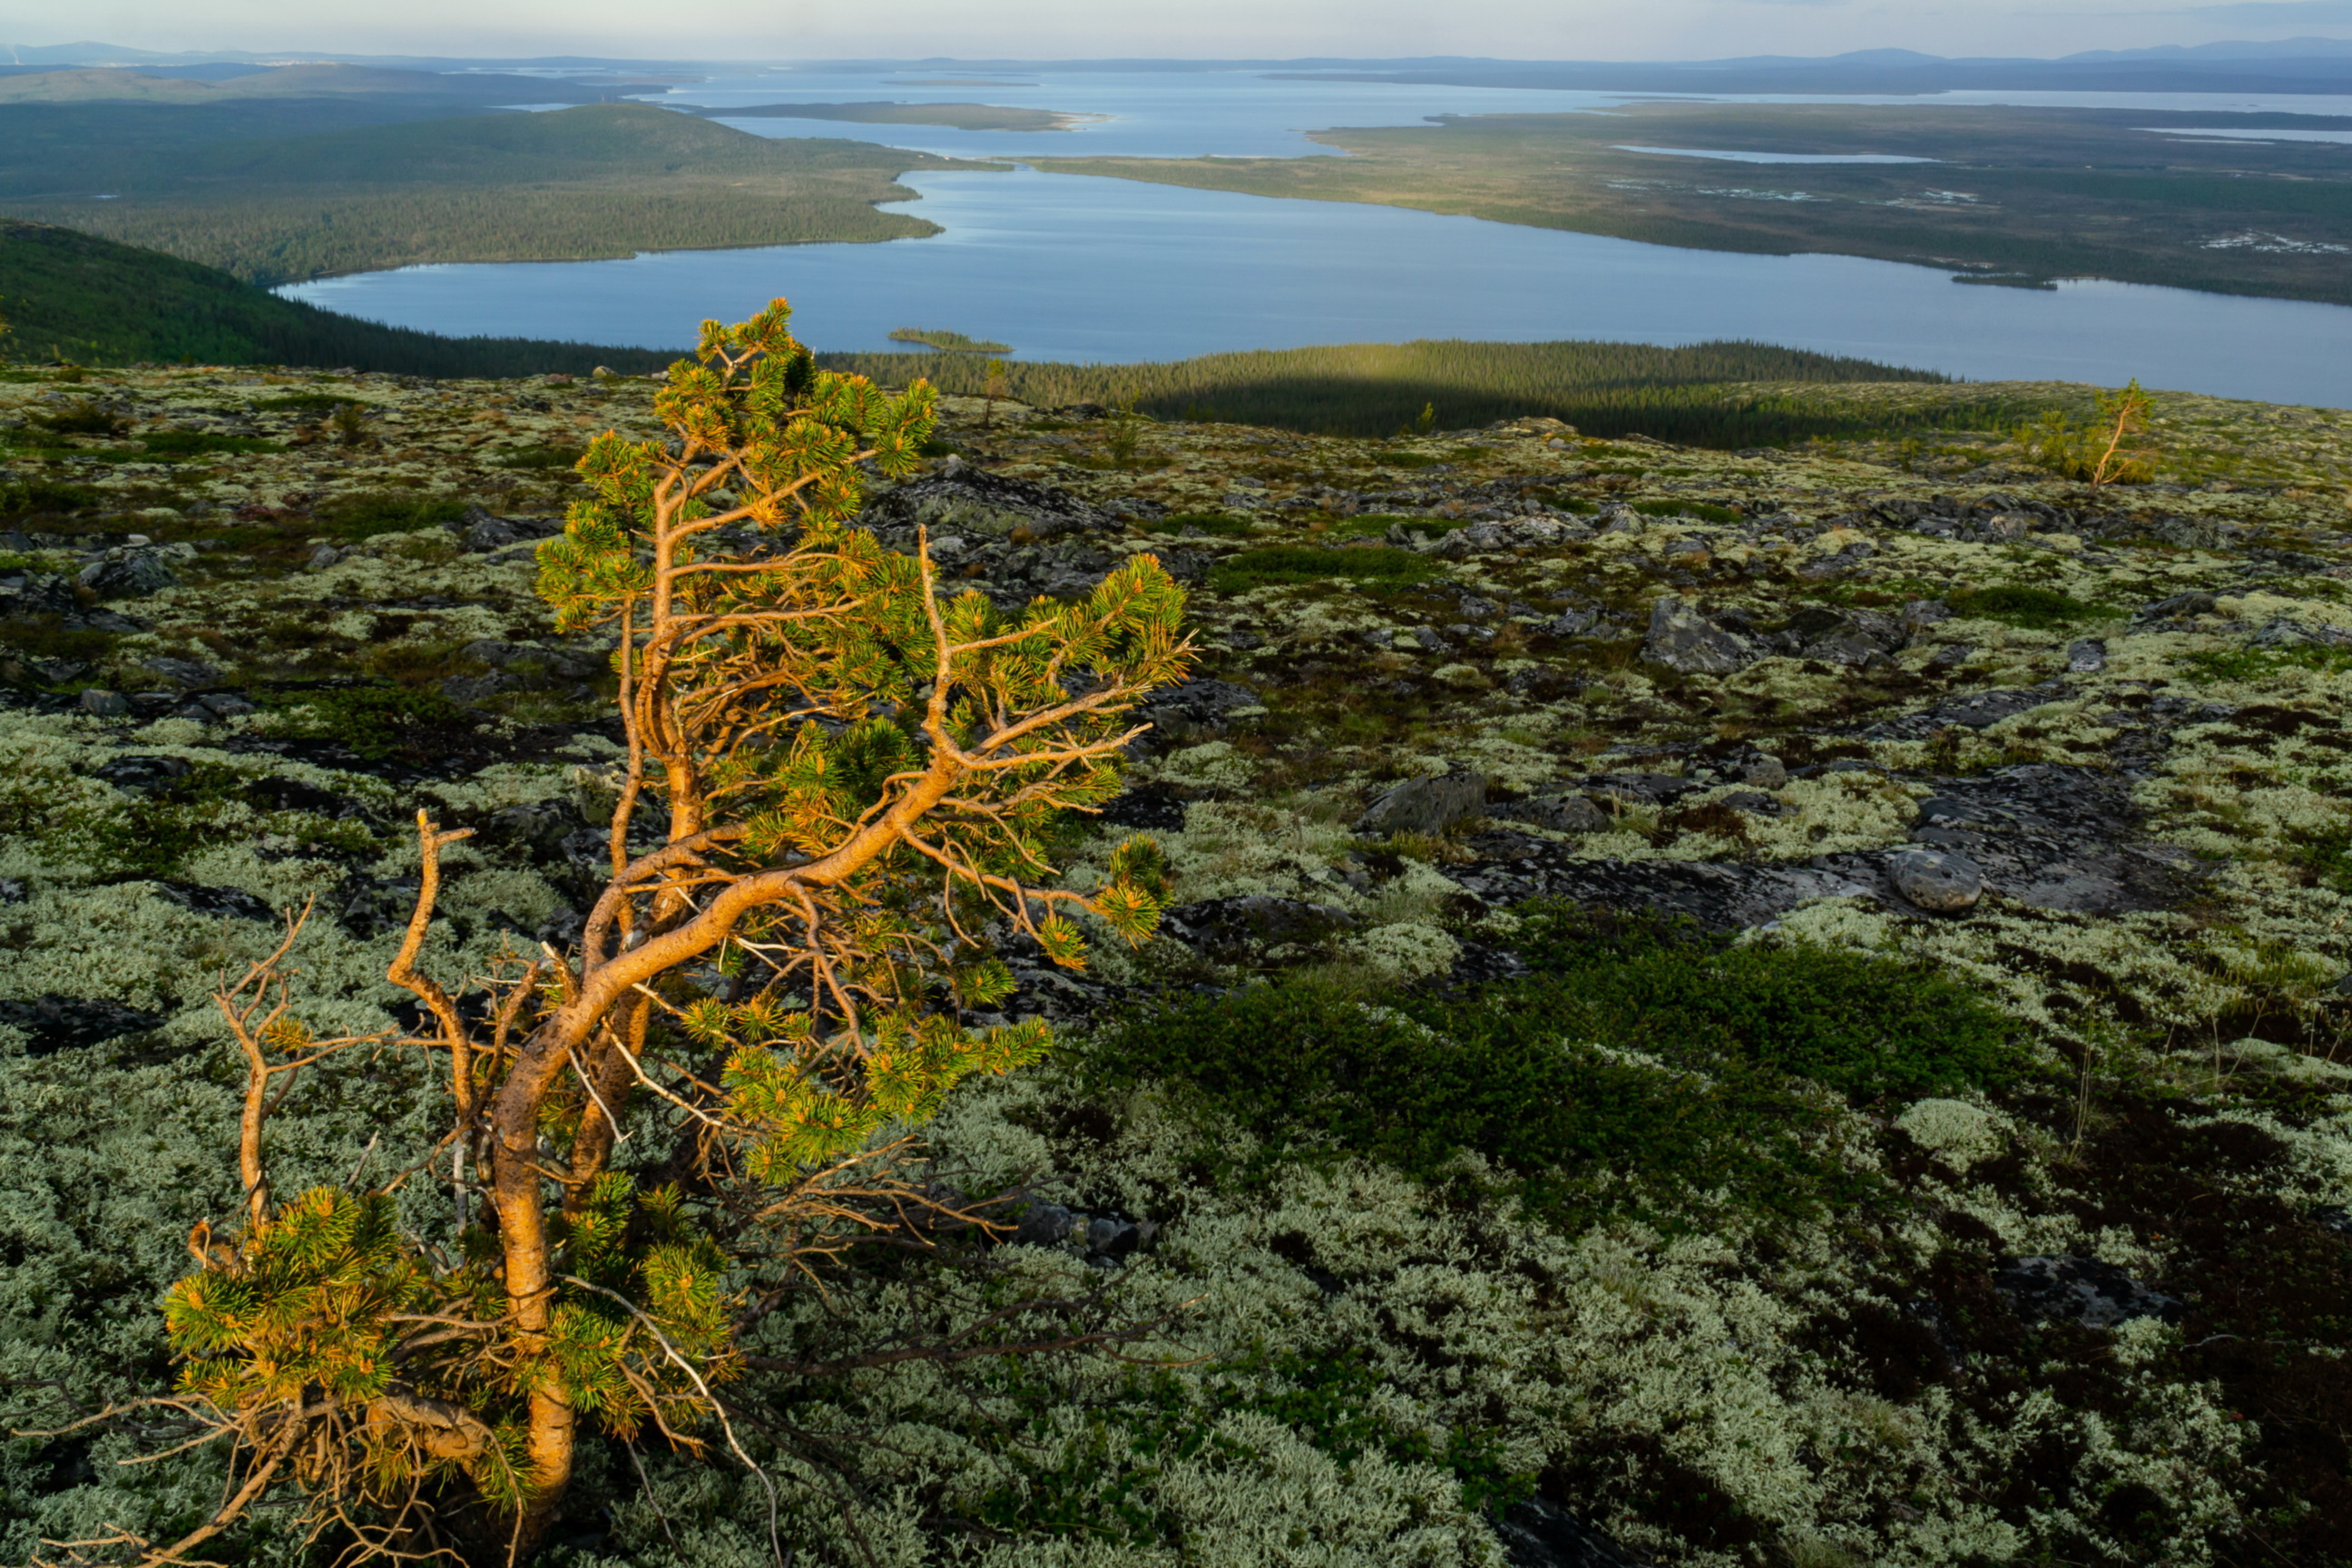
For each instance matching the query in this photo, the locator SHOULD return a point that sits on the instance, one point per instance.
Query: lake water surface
(1088, 270)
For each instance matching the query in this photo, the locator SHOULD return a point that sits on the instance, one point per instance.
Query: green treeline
(600, 181)
(1705, 394)
(77, 297)
(276, 240)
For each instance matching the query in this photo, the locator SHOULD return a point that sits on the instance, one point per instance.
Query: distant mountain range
(2305, 65)
(2234, 52)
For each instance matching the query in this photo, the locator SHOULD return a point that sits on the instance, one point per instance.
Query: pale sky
(1520, 29)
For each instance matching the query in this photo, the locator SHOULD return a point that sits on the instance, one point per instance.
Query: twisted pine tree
(856, 778)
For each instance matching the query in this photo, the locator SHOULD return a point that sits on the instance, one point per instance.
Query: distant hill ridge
(74, 296)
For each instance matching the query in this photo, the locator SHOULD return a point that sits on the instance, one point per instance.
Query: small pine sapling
(856, 784)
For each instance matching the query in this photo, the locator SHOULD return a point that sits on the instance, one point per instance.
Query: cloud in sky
(1524, 30)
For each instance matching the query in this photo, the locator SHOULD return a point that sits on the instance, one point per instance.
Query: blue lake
(1070, 268)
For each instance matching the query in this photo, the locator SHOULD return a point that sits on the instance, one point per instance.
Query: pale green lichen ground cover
(1341, 1360)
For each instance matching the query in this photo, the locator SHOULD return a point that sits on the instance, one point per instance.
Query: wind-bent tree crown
(839, 803)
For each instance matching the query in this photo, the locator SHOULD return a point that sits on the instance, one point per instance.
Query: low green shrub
(366, 513)
(382, 722)
(2254, 663)
(1575, 1132)
(202, 443)
(2033, 609)
(83, 416)
(537, 458)
(1858, 1023)
(1371, 566)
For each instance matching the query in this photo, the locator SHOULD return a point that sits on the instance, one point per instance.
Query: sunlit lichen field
(1785, 1007)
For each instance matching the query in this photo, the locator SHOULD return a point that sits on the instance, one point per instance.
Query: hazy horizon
(1668, 30)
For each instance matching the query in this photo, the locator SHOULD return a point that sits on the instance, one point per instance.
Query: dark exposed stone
(366, 906)
(1540, 1534)
(233, 903)
(1247, 925)
(2177, 607)
(975, 503)
(292, 794)
(1637, 789)
(130, 576)
(37, 594)
(1195, 710)
(187, 673)
(53, 1022)
(1682, 640)
(1943, 882)
(2057, 1289)
(137, 772)
(1424, 805)
(1042, 1224)
(1562, 814)
(1150, 806)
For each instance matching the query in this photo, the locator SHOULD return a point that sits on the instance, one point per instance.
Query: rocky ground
(2079, 753)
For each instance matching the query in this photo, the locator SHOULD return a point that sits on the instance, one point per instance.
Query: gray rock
(979, 505)
(1942, 808)
(1540, 1534)
(1750, 800)
(1682, 640)
(1920, 614)
(489, 533)
(225, 704)
(1572, 623)
(2086, 657)
(132, 576)
(477, 687)
(1042, 1225)
(1424, 805)
(186, 673)
(2178, 607)
(2060, 1288)
(198, 899)
(1764, 772)
(1562, 814)
(1195, 710)
(37, 594)
(54, 1023)
(326, 555)
(1637, 789)
(1242, 927)
(104, 704)
(1942, 882)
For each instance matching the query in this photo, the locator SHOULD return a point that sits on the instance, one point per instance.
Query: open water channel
(1071, 267)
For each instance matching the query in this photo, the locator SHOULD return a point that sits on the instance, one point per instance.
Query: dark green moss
(366, 513)
(2036, 610)
(1373, 566)
(1862, 1025)
(382, 722)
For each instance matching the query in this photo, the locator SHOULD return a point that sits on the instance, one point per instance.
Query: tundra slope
(2081, 753)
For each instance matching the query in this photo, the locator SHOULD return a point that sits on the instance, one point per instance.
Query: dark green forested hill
(598, 181)
(68, 295)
